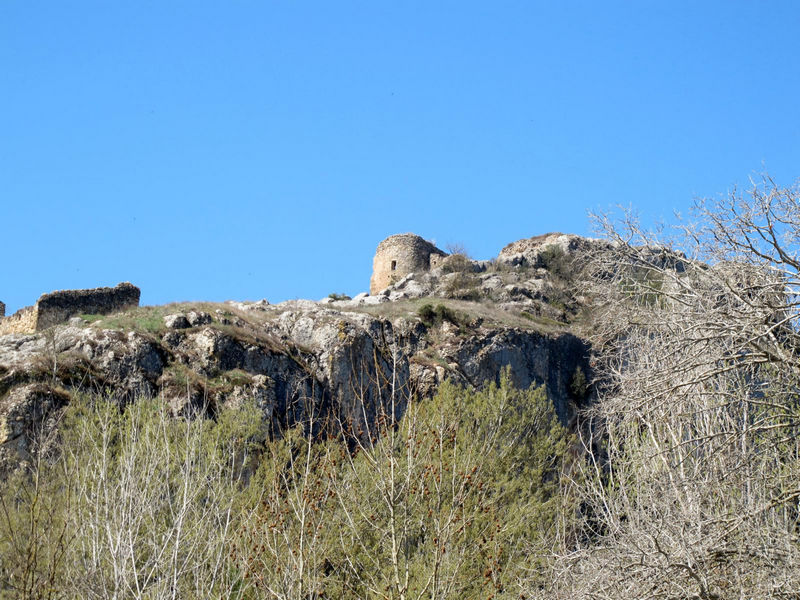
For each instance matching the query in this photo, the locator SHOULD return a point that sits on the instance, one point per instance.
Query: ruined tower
(401, 254)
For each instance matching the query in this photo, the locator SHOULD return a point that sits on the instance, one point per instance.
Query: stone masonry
(58, 307)
(22, 321)
(401, 254)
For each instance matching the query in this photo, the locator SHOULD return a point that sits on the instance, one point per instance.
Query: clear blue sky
(245, 150)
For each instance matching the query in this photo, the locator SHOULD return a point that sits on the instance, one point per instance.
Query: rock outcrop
(458, 319)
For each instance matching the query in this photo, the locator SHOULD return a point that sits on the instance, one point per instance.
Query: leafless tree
(281, 549)
(153, 508)
(34, 535)
(693, 490)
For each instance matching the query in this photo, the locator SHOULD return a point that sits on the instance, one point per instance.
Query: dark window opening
(394, 265)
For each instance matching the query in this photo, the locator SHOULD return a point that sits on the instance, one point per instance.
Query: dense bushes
(459, 501)
(138, 504)
(459, 498)
(432, 315)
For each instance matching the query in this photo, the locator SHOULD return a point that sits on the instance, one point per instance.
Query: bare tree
(35, 537)
(693, 490)
(154, 502)
(282, 548)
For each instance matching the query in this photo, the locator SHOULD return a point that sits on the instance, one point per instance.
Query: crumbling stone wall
(22, 321)
(401, 254)
(57, 307)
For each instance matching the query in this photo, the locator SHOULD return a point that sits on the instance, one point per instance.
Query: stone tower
(401, 254)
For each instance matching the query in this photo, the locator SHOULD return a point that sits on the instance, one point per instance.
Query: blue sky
(246, 150)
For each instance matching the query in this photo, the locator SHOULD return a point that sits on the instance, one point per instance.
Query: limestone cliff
(462, 320)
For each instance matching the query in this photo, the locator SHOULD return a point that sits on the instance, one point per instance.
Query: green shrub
(427, 314)
(557, 262)
(458, 496)
(337, 297)
(457, 263)
(445, 314)
(579, 385)
(460, 499)
(436, 315)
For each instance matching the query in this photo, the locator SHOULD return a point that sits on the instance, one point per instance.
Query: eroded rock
(338, 360)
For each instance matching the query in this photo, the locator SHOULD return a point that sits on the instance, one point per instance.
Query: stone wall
(22, 321)
(399, 255)
(58, 307)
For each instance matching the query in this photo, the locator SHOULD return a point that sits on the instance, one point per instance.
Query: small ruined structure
(401, 254)
(57, 307)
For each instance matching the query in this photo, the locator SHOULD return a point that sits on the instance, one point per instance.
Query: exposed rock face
(28, 417)
(339, 360)
(197, 318)
(176, 322)
(399, 255)
(530, 250)
(341, 365)
(534, 359)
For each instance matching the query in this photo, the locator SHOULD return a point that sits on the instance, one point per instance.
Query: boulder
(176, 321)
(198, 318)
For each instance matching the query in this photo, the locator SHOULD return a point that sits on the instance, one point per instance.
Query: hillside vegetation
(463, 497)
(598, 419)
(691, 482)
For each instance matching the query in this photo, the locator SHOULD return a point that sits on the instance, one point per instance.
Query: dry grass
(151, 318)
(488, 311)
(249, 325)
(180, 377)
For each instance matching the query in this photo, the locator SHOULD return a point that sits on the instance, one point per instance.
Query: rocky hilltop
(457, 319)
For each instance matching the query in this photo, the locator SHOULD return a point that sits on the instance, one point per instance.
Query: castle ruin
(401, 254)
(56, 307)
